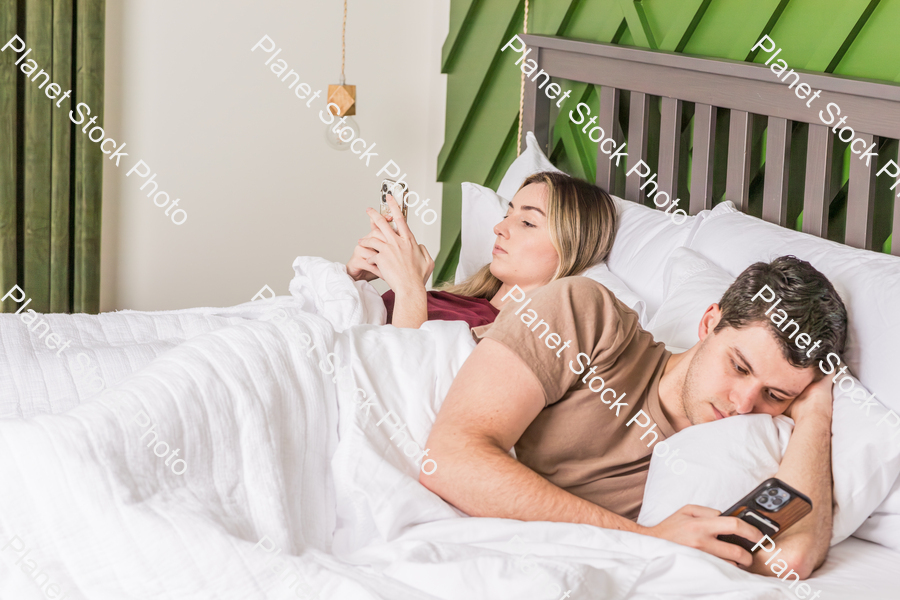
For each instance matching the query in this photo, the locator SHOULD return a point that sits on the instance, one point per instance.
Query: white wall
(246, 157)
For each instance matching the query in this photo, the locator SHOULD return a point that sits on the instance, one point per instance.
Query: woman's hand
(358, 267)
(396, 255)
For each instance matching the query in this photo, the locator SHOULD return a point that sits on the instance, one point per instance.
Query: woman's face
(523, 254)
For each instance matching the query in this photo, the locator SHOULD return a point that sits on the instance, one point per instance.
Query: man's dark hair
(806, 296)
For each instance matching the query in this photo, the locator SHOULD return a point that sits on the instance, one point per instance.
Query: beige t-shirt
(577, 442)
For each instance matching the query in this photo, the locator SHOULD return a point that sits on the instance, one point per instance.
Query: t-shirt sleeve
(576, 310)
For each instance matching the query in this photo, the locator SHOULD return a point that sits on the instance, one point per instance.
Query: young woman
(556, 226)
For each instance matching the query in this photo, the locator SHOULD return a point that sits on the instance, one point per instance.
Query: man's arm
(490, 404)
(807, 468)
(493, 399)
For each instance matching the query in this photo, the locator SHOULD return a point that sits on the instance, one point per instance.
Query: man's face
(739, 371)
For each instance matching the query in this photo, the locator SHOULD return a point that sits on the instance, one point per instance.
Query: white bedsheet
(859, 569)
(279, 447)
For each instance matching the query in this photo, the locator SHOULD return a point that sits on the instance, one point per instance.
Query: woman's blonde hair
(582, 220)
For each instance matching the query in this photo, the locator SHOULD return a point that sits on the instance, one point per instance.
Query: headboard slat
(638, 129)
(816, 194)
(702, 165)
(861, 200)
(670, 145)
(778, 154)
(737, 185)
(609, 115)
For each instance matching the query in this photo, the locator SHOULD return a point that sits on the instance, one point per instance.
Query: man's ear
(708, 322)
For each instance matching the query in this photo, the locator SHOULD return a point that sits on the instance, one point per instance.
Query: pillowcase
(481, 210)
(868, 282)
(532, 160)
(602, 275)
(883, 527)
(865, 442)
(689, 281)
(644, 240)
(724, 460)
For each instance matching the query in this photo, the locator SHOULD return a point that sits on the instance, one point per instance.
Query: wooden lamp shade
(344, 96)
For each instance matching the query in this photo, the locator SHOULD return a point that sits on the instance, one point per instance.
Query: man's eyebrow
(750, 369)
(526, 207)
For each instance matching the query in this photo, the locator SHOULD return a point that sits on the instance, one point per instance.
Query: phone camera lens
(762, 500)
(777, 501)
(773, 492)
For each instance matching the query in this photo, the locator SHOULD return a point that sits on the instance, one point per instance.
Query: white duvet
(291, 487)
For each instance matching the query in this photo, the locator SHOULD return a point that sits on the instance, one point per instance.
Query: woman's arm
(403, 263)
(410, 308)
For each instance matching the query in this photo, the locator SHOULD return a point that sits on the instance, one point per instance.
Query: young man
(559, 404)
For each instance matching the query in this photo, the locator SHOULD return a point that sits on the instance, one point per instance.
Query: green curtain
(51, 175)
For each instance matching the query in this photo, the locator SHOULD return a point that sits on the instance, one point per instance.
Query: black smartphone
(772, 508)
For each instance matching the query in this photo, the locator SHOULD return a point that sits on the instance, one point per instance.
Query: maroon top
(444, 306)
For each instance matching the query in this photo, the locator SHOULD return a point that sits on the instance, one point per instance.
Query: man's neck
(671, 387)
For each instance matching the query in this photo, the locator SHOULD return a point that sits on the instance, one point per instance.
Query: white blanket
(292, 486)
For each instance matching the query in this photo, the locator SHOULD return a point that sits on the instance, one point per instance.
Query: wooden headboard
(757, 101)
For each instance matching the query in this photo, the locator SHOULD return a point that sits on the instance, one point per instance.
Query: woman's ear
(708, 322)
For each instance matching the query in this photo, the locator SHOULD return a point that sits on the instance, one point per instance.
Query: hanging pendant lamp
(343, 96)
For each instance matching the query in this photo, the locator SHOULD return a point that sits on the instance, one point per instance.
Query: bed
(301, 430)
(661, 88)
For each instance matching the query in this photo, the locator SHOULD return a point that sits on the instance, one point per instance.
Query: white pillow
(644, 240)
(869, 284)
(601, 274)
(865, 460)
(689, 281)
(481, 210)
(883, 527)
(865, 454)
(724, 460)
(532, 160)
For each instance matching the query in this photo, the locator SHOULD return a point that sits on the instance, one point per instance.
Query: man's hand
(816, 399)
(698, 526)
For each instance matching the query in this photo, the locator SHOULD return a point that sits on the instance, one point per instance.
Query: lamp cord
(521, 90)
(344, 42)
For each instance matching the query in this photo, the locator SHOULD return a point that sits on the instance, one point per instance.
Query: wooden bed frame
(755, 98)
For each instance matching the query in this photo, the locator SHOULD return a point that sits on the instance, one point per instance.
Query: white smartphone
(398, 191)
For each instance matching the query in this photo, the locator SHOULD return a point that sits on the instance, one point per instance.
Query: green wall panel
(848, 37)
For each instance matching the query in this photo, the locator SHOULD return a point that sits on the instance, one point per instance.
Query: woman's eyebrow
(534, 208)
(526, 207)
